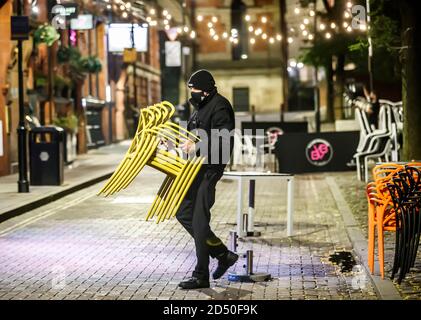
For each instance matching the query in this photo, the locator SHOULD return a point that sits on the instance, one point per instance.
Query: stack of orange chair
(381, 211)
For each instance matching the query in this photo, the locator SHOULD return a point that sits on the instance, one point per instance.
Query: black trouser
(194, 214)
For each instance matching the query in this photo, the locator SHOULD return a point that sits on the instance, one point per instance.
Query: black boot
(194, 283)
(226, 261)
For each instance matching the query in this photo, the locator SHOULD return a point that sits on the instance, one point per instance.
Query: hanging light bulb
(148, 19)
(349, 4)
(306, 21)
(349, 29)
(216, 37)
(305, 33)
(193, 34)
(169, 16)
(179, 30)
(251, 28)
(122, 7)
(290, 40)
(244, 56)
(235, 41)
(247, 17)
(264, 19)
(167, 27)
(252, 41)
(328, 35)
(210, 24)
(278, 37)
(124, 15)
(310, 37)
(128, 5)
(271, 40)
(264, 36)
(154, 23)
(212, 32)
(312, 13)
(225, 35)
(297, 10)
(164, 12)
(108, 6)
(186, 29)
(322, 26)
(199, 18)
(166, 22)
(152, 11)
(333, 25)
(347, 15)
(214, 19)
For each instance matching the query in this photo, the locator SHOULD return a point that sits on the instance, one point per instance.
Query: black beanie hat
(202, 80)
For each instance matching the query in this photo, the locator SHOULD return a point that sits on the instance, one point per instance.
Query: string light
(225, 35)
(251, 28)
(349, 29)
(124, 15)
(167, 27)
(302, 27)
(322, 26)
(164, 12)
(152, 11)
(214, 19)
(216, 37)
(264, 36)
(122, 7)
(200, 18)
(186, 29)
(349, 4)
(193, 34)
(264, 19)
(210, 24)
(278, 37)
(310, 37)
(333, 25)
(297, 10)
(328, 35)
(252, 40)
(290, 40)
(247, 17)
(306, 21)
(312, 13)
(271, 40)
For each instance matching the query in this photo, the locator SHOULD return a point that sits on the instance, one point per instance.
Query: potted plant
(46, 33)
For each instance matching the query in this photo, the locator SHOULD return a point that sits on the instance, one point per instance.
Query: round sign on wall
(44, 156)
(319, 152)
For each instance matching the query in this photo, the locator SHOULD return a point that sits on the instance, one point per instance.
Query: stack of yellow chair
(154, 128)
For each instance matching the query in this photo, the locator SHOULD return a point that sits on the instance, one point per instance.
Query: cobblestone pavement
(353, 191)
(86, 247)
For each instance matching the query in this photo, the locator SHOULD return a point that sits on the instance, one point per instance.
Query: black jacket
(215, 112)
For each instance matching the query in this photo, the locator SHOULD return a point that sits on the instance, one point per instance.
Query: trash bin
(46, 155)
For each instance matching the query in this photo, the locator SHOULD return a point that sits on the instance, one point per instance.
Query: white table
(251, 177)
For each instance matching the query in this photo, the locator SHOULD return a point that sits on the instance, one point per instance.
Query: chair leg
(366, 169)
(371, 234)
(358, 168)
(380, 242)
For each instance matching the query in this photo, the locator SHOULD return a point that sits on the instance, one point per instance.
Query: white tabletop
(255, 174)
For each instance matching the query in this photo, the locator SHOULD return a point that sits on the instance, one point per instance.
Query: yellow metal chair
(155, 126)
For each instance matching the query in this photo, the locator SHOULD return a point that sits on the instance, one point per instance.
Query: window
(241, 99)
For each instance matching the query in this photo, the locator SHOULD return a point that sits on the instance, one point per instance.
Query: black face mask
(198, 97)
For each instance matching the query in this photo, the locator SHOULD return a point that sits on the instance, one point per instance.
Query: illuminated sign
(82, 22)
(319, 152)
(120, 37)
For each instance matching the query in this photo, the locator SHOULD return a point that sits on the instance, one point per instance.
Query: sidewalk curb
(6, 215)
(384, 287)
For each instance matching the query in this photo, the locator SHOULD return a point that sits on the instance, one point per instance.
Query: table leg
(240, 219)
(290, 206)
(252, 188)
